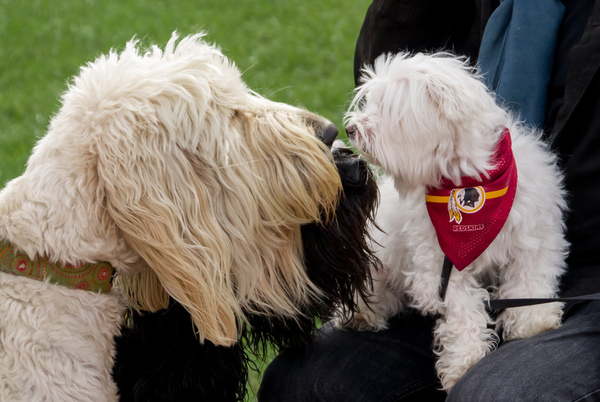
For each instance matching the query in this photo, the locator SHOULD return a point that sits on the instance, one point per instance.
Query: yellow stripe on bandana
(445, 199)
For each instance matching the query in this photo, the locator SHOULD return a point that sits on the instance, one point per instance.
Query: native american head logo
(468, 200)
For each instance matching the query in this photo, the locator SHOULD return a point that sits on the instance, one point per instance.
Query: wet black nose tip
(329, 135)
(350, 130)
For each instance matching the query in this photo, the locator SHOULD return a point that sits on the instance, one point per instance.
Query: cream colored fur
(163, 163)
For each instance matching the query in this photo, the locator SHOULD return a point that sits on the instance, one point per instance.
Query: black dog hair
(159, 357)
(336, 257)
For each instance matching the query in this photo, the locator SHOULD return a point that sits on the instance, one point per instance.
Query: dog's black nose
(329, 134)
(350, 130)
(349, 166)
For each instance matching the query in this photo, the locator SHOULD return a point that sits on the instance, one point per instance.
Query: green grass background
(294, 51)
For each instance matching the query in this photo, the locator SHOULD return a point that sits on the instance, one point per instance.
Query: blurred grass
(294, 51)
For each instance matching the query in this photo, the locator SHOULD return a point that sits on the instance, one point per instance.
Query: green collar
(95, 277)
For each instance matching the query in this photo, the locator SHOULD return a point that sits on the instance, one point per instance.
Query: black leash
(446, 271)
(510, 303)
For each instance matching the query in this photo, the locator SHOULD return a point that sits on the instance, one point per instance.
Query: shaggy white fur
(164, 164)
(427, 118)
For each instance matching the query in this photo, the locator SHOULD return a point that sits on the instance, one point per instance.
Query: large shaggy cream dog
(163, 165)
(457, 187)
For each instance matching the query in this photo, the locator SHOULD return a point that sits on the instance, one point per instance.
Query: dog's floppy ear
(449, 100)
(453, 88)
(163, 209)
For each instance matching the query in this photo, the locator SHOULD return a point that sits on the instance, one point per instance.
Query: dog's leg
(533, 241)
(463, 335)
(382, 304)
(423, 279)
(535, 274)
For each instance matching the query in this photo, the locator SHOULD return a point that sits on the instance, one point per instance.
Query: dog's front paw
(452, 364)
(459, 347)
(525, 322)
(450, 377)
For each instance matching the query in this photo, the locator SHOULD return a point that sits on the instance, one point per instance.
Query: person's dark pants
(345, 365)
(398, 365)
(559, 365)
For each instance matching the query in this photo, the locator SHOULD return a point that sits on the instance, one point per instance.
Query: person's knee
(467, 389)
(281, 380)
(556, 365)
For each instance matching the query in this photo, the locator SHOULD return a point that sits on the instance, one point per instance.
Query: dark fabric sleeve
(575, 135)
(421, 26)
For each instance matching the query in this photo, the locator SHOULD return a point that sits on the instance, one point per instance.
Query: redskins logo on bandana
(467, 200)
(468, 219)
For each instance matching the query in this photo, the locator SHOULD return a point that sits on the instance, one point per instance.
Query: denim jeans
(397, 364)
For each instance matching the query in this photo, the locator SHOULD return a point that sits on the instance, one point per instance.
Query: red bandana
(468, 219)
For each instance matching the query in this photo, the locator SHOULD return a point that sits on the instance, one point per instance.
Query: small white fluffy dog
(429, 122)
(167, 167)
